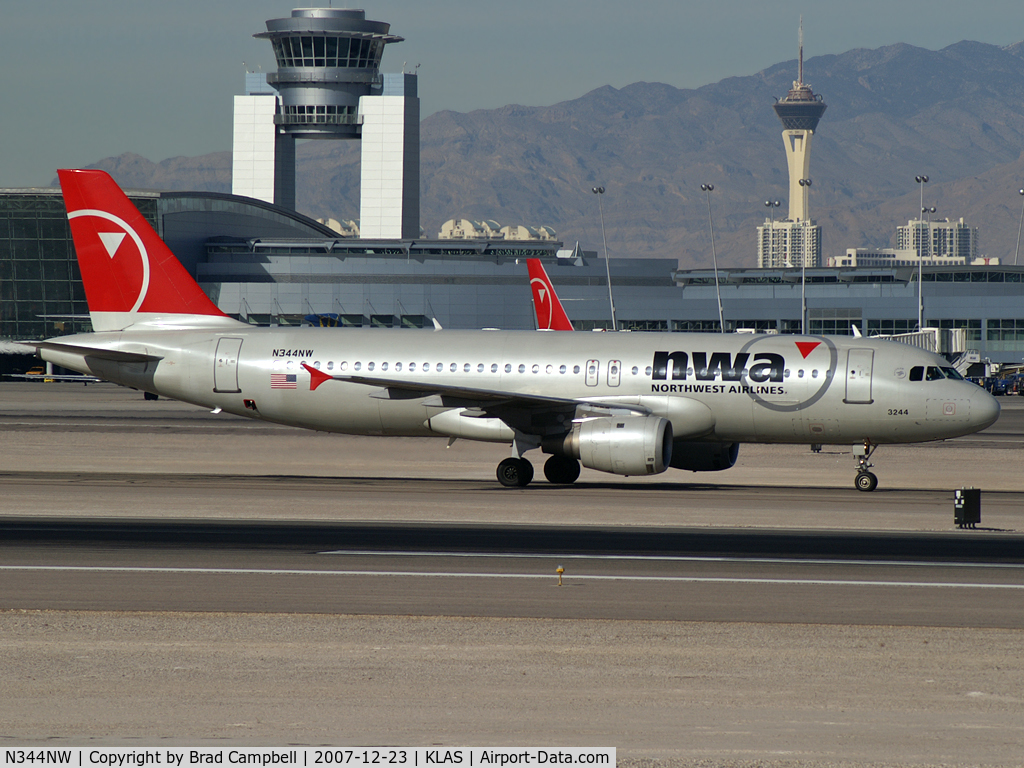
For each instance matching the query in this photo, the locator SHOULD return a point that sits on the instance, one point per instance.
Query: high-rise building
(796, 240)
(783, 244)
(942, 238)
(328, 86)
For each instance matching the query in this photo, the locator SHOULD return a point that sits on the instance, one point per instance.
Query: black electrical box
(967, 507)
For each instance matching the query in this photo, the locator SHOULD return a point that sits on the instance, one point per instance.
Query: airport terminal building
(269, 265)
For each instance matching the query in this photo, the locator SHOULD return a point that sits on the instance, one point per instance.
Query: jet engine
(626, 445)
(703, 457)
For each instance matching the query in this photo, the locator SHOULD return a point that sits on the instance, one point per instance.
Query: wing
(526, 412)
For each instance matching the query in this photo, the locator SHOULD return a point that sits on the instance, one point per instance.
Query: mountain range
(956, 115)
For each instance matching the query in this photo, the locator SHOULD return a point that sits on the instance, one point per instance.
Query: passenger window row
(346, 367)
(372, 367)
(358, 366)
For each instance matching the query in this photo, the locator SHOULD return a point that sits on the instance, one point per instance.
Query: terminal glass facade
(41, 293)
(891, 327)
(972, 326)
(833, 321)
(1004, 334)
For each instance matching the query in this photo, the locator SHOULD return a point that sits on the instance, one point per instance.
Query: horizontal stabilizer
(114, 355)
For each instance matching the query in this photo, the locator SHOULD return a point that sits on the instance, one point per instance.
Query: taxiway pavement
(822, 626)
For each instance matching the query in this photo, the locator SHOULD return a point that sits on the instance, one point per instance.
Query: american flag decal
(283, 380)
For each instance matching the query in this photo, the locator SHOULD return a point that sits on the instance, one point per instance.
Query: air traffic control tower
(328, 86)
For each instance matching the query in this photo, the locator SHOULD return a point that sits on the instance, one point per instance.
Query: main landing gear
(865, 480)
(513, 472)
(559, 470)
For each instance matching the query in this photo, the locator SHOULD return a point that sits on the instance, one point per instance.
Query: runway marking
(675, 559)
(466, 575)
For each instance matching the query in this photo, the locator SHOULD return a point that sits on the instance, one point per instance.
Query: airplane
(548, 309)
(621, 403)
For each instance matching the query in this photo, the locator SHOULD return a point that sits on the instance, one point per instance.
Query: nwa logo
(128, 283)
(675, 366)
(545, 312)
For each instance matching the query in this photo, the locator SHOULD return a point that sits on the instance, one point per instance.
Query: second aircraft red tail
(550, 315)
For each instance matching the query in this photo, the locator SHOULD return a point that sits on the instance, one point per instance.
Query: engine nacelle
(703, 457)
(626, 445)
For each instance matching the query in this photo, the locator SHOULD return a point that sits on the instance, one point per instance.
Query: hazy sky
(86, 79)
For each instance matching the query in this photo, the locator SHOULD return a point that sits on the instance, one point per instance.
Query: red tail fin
(550, 315)
(130, 275)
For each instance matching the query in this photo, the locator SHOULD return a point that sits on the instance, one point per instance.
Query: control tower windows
(327, 51)
(329, 114)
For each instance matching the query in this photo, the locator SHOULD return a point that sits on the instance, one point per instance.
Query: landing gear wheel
(150, 396)
(561, 470)
(514, 472)
(866, 481)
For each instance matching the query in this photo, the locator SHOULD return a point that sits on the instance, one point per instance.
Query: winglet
(316, 377)
(550, 315)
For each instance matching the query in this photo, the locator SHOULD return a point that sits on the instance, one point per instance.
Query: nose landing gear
(865, 480)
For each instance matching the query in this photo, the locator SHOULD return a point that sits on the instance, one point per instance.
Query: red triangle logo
(806, 347)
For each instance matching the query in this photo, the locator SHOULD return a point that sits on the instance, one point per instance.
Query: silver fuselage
(713, 387)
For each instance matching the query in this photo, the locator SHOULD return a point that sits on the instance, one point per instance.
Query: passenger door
(859, 363)
(225, 365)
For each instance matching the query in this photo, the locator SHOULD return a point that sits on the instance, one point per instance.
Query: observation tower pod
(328, 86)
(799, 112)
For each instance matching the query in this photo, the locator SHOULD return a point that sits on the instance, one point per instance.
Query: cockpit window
(933, 373)
(952, 373)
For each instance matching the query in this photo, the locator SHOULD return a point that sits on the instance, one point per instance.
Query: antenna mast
(800, 73)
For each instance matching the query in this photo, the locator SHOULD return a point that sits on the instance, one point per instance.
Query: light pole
(921, 180)
(772, 205)
(708, 189)
(925, 212)
(599, 191)
(803, 272)
(1019, 226)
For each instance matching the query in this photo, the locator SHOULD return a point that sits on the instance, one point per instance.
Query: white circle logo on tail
(112, 242)
(543, 303)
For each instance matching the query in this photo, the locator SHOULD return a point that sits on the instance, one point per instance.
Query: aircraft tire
(866, 481)
(150, 396)
(527, 472)
(561, 470)
(515, 473)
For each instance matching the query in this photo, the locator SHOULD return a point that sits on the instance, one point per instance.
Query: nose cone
(984, 410)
